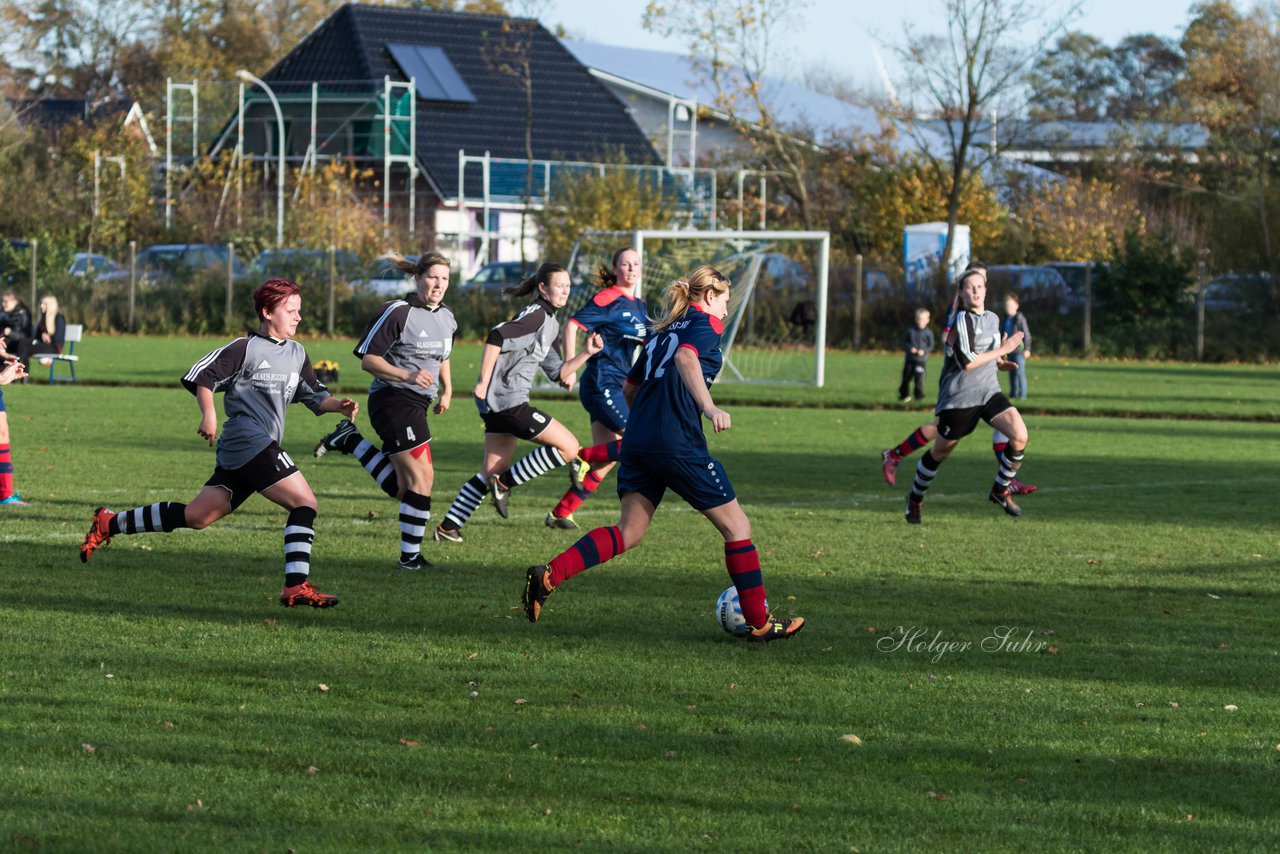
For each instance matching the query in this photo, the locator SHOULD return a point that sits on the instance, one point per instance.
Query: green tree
(1146, 69)
(1073, 80)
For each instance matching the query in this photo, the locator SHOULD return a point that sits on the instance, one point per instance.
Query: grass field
(1102, 671)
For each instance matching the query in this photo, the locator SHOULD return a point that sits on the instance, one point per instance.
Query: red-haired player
(260, 375)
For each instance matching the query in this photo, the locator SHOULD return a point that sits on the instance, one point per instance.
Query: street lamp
(249, 78)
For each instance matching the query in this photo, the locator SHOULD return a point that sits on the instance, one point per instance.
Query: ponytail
(690, 290)
(605, 276)
(415, 269)
(542, 277)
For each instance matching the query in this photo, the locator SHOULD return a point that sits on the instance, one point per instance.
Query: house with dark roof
(429, 98)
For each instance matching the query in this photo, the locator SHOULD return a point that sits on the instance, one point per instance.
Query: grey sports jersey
(528, 340)
(411, 336)
(261, 377)
(970, 336)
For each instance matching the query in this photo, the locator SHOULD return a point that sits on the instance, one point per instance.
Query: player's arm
(488, 359)
(570, 367)
(345, 405)
(690, 369)
(445, 394)
(208, 428)
(379, 367)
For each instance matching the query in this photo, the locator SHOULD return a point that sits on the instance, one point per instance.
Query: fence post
(857, 303)
(333, 276)
(35, 244)
(1088, 308)
(231, 268)
(1200, 268)
(133, 278)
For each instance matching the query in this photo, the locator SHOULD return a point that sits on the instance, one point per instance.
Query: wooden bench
(68, 355)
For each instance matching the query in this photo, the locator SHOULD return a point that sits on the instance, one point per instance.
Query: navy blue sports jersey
(664, 418)
(622, 324)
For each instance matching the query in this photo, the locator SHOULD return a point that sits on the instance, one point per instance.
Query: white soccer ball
(729, 613)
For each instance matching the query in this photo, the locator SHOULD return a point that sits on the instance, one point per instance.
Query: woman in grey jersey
(969, 391)
(406, 349)
(513, 352)
(261, 375)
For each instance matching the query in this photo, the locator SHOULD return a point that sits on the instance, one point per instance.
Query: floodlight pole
(249, 78)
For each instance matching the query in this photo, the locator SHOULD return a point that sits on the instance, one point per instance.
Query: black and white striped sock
(926, 471)
(469, 498)
(378, 465)
(537, 462)
(163, 516)
(1010, 462)
(415, 512)
(299, 534)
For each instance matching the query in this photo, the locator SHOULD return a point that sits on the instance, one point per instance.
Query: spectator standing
(1015, 321)
(917, 344)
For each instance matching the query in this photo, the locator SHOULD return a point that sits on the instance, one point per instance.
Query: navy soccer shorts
(701, 482)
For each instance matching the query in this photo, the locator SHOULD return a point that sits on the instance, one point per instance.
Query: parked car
(1238, 292)
(1073, 273)
(168, 260)
(1040, 288)
(493, 278)
(102, 267)
(382, 279)
(302, 264)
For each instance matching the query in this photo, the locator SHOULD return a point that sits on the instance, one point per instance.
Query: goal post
(777, 324)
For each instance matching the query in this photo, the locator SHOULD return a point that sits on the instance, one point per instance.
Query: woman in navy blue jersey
(669, 392)
(513, 353)
(261, 374)
(618, 314)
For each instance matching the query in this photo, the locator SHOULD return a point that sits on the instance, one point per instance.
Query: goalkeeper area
(776, 328)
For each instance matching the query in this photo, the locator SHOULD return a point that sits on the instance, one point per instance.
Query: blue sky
(839, 34)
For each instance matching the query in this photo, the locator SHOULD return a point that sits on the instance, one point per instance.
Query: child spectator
(1015, 321)
(917, 344)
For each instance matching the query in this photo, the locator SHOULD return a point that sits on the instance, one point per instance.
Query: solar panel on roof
(433, 74)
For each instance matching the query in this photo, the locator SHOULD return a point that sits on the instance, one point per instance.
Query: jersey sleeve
(553, 362)
(217, 369)
(699, 336)
(311, 393)
(961, 339)
(589, 317)
(523, 325)
(384, 330)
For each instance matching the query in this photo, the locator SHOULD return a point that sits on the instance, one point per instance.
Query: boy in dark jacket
(917, 344)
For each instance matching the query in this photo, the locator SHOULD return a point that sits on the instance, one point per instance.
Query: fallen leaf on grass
(1173, 703)
(324, 689)
(168, 724)
(640, 725)
(849, 738)
(520, 701)
(938, 796)
(89, 749)
(1231, 707)
(473, 656)
(311, 769)
(1213, 596)
(408, 743)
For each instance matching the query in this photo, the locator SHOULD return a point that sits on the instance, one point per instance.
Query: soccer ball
(729, 613)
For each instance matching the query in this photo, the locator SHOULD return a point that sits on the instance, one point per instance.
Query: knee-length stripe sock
(466, 502)
(415, 512)
(1010, 461)
(537, 462)
(162, 517)
(743, 562)
(598, 546)
(926, 471)
(605, 452)
(299, 534)
(911, 444)
(573, 499)
(6, 473)
(378, 465)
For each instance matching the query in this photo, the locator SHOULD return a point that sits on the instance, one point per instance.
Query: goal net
(777, 320)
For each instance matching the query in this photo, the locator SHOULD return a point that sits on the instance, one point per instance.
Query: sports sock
(926, 471)
(1009, 463)
(6, 473)
(743, 562)
(999, 442)
(299, 534)
(378, 465)
(466, 502)
(605, 452)
(163, 516)
(537, 462)
(415, 512)
(598, 546)
(573, 499)
(911, 444)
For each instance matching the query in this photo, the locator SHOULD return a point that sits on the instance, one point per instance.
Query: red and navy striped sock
(573, 499)
(911, 444)
(743, 563)
(997, 448)
(605, 452)
(598, 546)
(6, 473)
